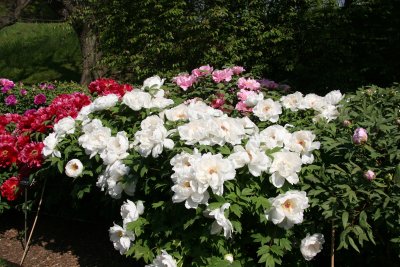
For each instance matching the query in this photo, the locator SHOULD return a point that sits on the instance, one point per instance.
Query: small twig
(26, 217)
(333, 246)
(33, 226)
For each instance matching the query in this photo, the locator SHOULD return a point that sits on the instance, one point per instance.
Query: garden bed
(57, 242)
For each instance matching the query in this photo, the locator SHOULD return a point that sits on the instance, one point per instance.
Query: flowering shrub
(21, 137)
(18, 98)
(227, 179)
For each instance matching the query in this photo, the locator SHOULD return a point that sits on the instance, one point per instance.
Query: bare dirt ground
(57, 242)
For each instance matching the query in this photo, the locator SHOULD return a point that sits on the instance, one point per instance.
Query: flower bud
(360, 136)
(346, 123)
(369, 175)
(228, 257)
(398, 121)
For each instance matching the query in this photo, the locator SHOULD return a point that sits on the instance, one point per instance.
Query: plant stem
(333, 246)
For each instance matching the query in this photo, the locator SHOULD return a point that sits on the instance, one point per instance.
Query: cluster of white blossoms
(121, 236)
(152, 137)
(61, 128)
(274, 150)
(326, 106)
(195, 173)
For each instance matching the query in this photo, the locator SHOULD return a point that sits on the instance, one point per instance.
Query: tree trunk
(12, 10)
(90, 54)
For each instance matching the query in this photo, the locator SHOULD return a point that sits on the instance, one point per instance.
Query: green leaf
(353, 244)
(345, 218)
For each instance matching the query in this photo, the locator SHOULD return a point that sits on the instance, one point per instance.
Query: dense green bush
(316, 46)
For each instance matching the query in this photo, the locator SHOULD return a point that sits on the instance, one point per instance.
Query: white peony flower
(50, 143)
(303, 143)
(177, 113)
(311, 245)
(285, 166)
(65, 126)
(313, 101)
(212, 171)
(328, 113)
(104, 102)
(252, 155)
(221, 222)
(274, 136)
(153, 137)
(95, 140)
(197, 131)
(154, 82)
(130, 211)
(268, 110)
(160, 102)
(226, 130)
(292, 101)
(116, 148)
(253, 98)
(287, 209)
(121, 238)
(200, 110)
(163, 260)
(187, 189)
(333, 97)
(137, 99)
(73, 168)
(112, 180)
(83, 114)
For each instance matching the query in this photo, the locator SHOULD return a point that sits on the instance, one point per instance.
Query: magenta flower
(251, 84)
(203, 71)
(184, 81)
(6, 85)
(360, 136)
(29, 112)
(39, 99)
(222, 75)
(23, 92)
(369, 175)
(11, 100)
(237, 70)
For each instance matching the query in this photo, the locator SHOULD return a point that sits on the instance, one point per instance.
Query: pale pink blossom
(241, 106)
(250, 84)
(222, 75)
(369, 175)
(237, 70)
(185, 81)
(202, 71)
(244, 94)
(360, 136)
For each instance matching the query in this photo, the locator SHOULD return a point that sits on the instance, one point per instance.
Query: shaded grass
(37, 52)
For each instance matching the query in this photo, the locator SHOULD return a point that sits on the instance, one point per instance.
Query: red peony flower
(7, 139)
(8, 155)
(31, 155)
(10, 189)
(105, 86)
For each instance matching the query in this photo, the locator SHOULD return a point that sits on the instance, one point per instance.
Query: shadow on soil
(87, 242)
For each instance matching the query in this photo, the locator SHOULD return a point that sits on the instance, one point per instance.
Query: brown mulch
(58, 242)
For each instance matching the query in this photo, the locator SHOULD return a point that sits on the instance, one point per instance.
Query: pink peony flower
(237, 70)
(23, 92)
(184, 81)
(202, 71)
(222, 75)
(250, 84)
(360, 136)
(39, 99)
(244, 94)
(11, 100)
(241, 106)
(369, 175)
